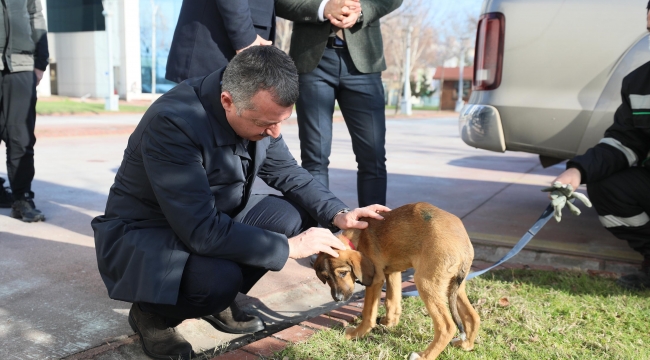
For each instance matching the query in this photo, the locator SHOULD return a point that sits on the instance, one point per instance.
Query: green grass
(67, 106)
(551, 315)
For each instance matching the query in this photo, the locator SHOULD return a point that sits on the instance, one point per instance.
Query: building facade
(140, 35)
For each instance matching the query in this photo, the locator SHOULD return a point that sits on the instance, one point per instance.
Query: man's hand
(339, 9)
(350, 220)
(347, 22)
(570, 176)
(313, 241)
(39, 75)
(258, 41)
(560, 194)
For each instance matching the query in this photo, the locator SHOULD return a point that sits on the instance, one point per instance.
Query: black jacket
(627, 142)
(209, 31)
(180, 184)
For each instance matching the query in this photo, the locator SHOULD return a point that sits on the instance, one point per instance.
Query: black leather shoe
(637, 281)
(159, 341)
(25, 210)
(233, 320)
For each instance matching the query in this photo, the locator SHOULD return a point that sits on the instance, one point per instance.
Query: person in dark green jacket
(24, 53)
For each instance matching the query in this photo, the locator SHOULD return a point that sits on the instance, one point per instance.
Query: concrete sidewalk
(53, 303)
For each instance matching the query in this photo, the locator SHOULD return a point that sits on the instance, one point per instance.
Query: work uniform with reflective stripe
(617, 169)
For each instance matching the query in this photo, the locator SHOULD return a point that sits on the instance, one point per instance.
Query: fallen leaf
(503, 302)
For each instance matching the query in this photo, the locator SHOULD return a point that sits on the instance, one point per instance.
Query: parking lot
(53, 303)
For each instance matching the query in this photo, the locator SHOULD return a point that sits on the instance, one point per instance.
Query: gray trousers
(17, 121)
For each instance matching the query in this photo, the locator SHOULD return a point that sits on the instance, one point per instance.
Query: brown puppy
(430, 240)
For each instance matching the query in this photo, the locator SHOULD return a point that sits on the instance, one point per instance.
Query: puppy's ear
(320, 266)
(362, 268)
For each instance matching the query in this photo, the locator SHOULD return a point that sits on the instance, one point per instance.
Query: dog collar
(350, 244)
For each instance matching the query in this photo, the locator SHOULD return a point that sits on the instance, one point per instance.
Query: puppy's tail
(453, 303)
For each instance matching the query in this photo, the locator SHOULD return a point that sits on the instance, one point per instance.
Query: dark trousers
(623, 205)
(17, 121)
(210, 285)
(361, 99)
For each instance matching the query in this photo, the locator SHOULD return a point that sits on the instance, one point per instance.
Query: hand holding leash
(563, 194)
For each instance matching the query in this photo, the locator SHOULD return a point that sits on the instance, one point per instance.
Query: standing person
(337, 47)
(617, 172)
(23, 42)
(182, 234)
(210, 32)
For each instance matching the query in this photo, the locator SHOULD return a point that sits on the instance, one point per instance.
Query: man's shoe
(159, 341)
(233, 320)
(6, 198)
(25, 210)
(637, 281)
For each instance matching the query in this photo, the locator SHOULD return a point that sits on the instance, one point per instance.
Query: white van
(548, 74)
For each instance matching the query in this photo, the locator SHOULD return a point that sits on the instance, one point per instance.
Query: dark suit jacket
(180, 184)
(309, 35)
(209, 31)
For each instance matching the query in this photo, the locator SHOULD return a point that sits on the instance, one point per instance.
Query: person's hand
(350, 220)
(347, 22)
(39, 75)
(339, 9)
(258, 41)
(313, 241)
(560, 195)
(570, 176)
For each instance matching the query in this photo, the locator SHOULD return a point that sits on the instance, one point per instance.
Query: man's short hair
(648, 6)
(261, 68)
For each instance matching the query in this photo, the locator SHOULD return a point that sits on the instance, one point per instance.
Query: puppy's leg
(434, 295)
(470, 318)
(369, 313)
(393, 299)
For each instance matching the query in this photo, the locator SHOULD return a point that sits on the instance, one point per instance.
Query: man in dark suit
(182, 234)
(338, 50)
(210, 32)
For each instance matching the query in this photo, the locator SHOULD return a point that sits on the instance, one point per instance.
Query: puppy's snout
(338, 297)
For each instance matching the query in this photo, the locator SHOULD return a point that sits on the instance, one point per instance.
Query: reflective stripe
(610, 221)
(640, 101)
(629, 154)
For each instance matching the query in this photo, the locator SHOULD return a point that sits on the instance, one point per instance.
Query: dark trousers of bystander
(210, 285)
(361, 99)
(17, 122)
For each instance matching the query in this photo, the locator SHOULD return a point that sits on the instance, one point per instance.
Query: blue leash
(543, 219)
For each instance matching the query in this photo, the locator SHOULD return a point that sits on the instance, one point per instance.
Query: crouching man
(182, 234)
(617, 172)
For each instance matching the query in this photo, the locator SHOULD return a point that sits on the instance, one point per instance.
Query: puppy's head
(340, 273)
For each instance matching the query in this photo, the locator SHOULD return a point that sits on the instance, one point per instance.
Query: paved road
(53, 303)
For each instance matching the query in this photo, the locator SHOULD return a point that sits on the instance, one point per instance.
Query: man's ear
(362, 268)
(226, 101)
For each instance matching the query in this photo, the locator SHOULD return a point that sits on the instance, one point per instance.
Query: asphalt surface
(53, 303)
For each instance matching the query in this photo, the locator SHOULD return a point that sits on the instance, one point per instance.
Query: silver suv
(547, 75)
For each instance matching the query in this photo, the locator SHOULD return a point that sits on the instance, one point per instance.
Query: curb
(347, 314)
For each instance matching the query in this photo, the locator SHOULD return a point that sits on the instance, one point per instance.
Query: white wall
(81, 57)
(44, 89)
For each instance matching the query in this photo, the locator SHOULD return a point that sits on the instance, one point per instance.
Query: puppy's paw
(414, 356)
(355, 333)
(463, 344)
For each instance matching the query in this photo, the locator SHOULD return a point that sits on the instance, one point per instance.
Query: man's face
(648, 20)
(265, 119)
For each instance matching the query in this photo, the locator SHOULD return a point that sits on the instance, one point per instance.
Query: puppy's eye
(343, 274)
